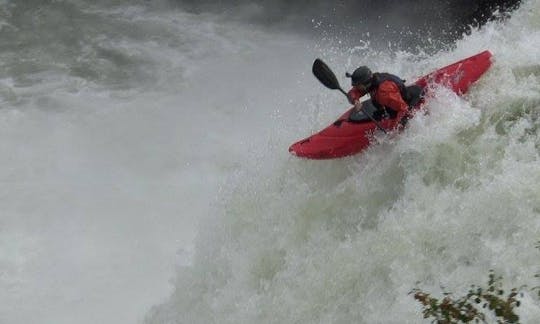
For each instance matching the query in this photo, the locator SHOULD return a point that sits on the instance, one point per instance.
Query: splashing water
(455, 195)
(129, 129)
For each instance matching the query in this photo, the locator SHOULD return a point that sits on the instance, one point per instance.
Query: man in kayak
(388, 93)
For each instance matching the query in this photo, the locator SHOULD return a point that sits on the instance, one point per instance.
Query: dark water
(406, 24)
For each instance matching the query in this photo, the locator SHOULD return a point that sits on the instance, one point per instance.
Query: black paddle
(323, 73)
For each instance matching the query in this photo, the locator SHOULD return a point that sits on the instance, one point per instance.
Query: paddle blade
(325, 75)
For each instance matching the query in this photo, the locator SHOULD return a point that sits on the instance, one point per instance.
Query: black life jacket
(379, 78)
(411, 95)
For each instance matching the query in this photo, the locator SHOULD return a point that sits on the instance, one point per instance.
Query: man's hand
(358, 106)
(351, 100)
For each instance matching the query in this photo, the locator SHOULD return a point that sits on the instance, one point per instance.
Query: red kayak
(351, 133)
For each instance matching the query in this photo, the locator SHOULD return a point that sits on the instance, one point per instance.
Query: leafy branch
(476, 304)
(471, 307)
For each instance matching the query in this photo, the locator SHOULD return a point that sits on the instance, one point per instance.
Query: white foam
(108, 180)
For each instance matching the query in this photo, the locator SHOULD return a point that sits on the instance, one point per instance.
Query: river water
(145, 173)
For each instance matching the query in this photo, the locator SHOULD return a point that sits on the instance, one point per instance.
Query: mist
(406, 24)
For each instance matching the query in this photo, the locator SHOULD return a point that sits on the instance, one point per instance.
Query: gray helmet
(362, 75)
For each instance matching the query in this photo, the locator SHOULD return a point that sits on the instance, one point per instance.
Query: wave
(126, 123)
(344, 241)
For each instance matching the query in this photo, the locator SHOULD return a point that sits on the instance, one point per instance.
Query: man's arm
(354, 95)
(389, 96)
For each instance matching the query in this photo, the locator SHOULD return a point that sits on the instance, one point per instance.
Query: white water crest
(345, 241)
(118, 125)
(141, 143)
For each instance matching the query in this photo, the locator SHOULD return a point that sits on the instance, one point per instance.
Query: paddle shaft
(365, 112)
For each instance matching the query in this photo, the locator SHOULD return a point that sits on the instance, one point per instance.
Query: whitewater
(146, 178)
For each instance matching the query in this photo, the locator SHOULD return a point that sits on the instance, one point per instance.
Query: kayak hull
(345, 137)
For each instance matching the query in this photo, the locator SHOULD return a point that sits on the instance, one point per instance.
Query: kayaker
(388, 92)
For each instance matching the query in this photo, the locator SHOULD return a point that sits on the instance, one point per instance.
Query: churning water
(145, 173)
